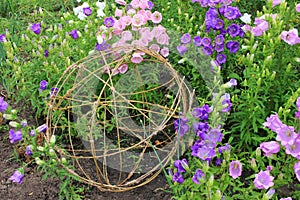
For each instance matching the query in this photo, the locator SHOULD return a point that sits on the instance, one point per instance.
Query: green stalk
(164, 171)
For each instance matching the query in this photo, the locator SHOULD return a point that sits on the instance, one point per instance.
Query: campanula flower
(2, 37)
(43, 85)
(15, 136)
(263, 180)
(36, 28)
(235, 169)
(17, 177)
(270, 148)
(74, 34)
(3, 105)
(197, 176)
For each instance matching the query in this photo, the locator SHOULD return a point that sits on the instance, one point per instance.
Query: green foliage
(265, 68)
(266, 71)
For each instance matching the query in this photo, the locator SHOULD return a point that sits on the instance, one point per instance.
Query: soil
(33, 187)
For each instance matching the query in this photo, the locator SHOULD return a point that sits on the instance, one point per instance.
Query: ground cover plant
(240, 57)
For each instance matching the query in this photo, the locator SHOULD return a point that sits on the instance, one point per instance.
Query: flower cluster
(43, 87)
(205, 147)
(207, 137)
(131, 25)
(20, 131)
(261, 25)
(212, 3)
(286, 135)
(216, 15)
(84, 10)
(180, 167)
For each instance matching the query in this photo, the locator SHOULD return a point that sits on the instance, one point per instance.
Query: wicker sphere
(116, 117)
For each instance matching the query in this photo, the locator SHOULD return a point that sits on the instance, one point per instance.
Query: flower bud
(245, 83)
(253, 164)
(182, 60)
(210, 181)
(258, 82)
(24, 122)
(280, 111)
(52, 152)
(79, 34)
(40, 148)
(251, 58)
(52, 139)
(41, 11)
(91, 52)
(186, 16)
(254, 47)
(7, 34)
(192, 18)
(16, 49)
(245, 40)
(14, 111)
(286, 111)
(9, 62)
(269, 194)
(14, 124)
(218, 195)
(223, 177)
(205, 167)
(273, 76)
(38, 161)
(258, 152)
(288, 69)
(267, 72)
(9, 116)
(264, 48)
(179, 11)
(245, 47)
(63, 160)
(68, 61)
(280, 176)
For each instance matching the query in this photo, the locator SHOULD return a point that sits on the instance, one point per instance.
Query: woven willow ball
(118, 125)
